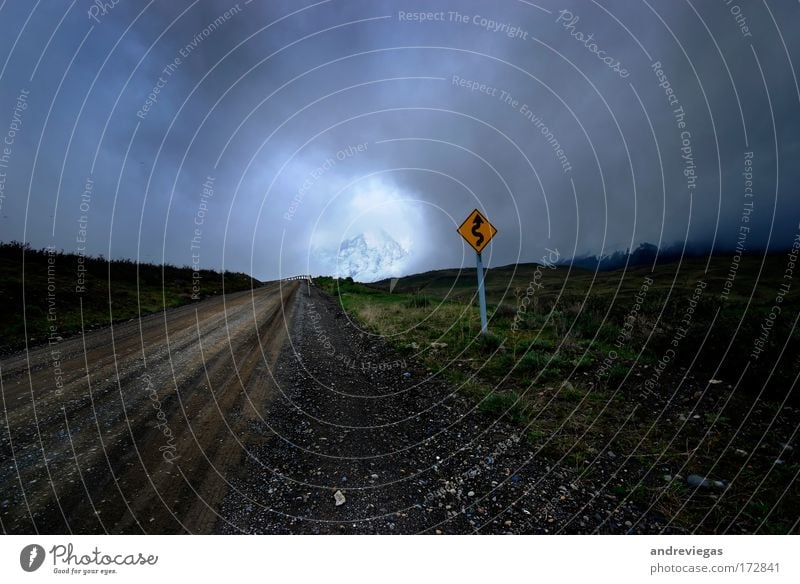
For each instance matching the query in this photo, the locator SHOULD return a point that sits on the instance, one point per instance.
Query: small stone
(700, 481)
(628, 524)
(471, 494)
(339, 498)
(373, 476)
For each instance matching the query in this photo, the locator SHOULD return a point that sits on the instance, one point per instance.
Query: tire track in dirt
(194, 370)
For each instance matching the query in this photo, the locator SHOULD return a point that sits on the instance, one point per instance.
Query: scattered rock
(339, 498)
(706, 483)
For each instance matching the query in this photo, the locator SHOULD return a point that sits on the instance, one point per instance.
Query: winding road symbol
(477, 231)
(476, 225)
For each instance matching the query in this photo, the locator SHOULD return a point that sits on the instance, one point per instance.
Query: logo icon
(31, 557)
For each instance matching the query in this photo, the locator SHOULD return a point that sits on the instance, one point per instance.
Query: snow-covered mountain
(367, 257)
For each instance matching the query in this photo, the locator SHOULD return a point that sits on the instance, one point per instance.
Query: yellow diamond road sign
(477, 230)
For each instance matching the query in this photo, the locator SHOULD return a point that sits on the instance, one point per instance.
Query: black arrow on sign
(476, 225)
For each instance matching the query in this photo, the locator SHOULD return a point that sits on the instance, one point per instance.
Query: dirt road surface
(357, 440)
(147, 424)
(268, 412)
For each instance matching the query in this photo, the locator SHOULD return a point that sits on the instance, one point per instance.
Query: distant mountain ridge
(645, 253)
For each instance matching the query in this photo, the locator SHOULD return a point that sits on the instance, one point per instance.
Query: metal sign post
(478, 232)
(482, 295)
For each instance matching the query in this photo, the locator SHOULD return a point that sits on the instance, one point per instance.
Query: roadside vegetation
(646, 377)
(107, 291)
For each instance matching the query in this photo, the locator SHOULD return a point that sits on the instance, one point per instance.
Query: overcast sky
(262, 136)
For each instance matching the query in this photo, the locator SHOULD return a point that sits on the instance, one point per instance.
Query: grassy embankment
(112, 291)
(584, 369)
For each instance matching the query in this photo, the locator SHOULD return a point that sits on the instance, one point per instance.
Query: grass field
(58, 303)
(653, 371)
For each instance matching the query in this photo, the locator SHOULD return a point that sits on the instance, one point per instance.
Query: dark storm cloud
(311, 123)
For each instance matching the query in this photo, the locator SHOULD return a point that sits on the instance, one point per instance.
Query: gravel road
(359, 441)
(143, 442)
(268, 412)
